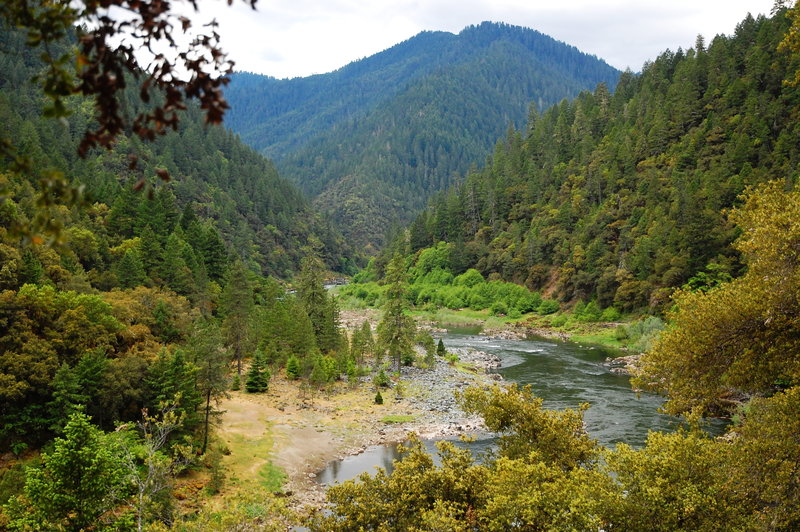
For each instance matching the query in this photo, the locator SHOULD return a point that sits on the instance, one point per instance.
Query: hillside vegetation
(373, 140)
(621, 197)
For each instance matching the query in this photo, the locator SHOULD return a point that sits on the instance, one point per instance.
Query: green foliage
(740, 335)
(237, 305)
(293, 368)
(548, 475)
(320, 306)
(399, 418)
(642, 334)
(207, 353)
(77, 483)
(547, 307)
(257, 214)
(524, 426)
(381, 380)
(618, 198)
(378, 398)
(216, 477)
(440, 350)
(442, 93)
(258, 375)
(396, 328)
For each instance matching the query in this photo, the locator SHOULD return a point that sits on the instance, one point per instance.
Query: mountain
(372, 141)
(620, 198)
(244, 209)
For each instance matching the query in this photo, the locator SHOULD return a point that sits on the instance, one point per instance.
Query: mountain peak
(409, 119)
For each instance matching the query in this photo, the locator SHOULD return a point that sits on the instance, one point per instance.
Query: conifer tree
(237, 306)
(151, 251)
(396, 329)
(130, 271)
(78, 482)
(258, 375)
(173, 268)
(320, 307)
(209, 355)
(293, 368)
(440, 350)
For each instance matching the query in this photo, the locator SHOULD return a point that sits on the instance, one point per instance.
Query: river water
(564, 374)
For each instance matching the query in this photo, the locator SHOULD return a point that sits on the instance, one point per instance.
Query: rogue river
(564, 374)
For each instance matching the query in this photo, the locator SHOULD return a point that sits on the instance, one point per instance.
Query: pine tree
(396, 329)
(293, 368)
(211, 360)
(319, 305)
(237, 306)
(440, 350)
(174, 270)
(80, 480)
(258, 375)
(130, 271)
(151, 251)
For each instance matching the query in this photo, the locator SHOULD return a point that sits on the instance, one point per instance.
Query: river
(564, 374)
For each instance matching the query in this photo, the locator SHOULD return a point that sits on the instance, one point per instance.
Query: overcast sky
(289, 38)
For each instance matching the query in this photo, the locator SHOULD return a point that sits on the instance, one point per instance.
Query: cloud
(286, 38)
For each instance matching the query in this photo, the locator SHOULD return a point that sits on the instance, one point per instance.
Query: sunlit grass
(272, 477)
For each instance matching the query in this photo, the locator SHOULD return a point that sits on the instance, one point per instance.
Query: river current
(564, 374)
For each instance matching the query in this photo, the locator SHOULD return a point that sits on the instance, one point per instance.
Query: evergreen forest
(414, 116)
(175, 353)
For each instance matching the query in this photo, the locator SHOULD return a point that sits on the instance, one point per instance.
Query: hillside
(620, 198)
(371, 142)
(234, 192)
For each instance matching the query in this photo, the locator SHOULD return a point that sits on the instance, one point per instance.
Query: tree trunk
(208, 414)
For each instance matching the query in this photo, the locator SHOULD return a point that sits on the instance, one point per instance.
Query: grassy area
(462, 318)
(398, 418)
(271, 477)
(247, 452)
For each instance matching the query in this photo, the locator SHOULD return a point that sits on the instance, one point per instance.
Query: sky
(291, 38)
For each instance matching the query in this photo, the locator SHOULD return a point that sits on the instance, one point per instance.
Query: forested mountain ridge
(373, 140)
(620, 197)
(236, 193)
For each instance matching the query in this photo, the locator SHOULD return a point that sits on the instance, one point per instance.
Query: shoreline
(308, 430)
(430, 399)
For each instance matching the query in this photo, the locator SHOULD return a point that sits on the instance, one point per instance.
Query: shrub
(381, 380)
(292, 368)
(378, 398)
(610, 314)
(498, 307)
(548, 306)
(469, 278)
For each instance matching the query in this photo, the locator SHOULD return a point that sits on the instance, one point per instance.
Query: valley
(461, 235)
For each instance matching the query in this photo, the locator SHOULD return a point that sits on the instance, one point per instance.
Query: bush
(469, 278)
(643, 333)
(558, 321)
(610, 315)
(548, 306)
(498, 307)
(381, 380)
(589, 313)
(378, 398)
